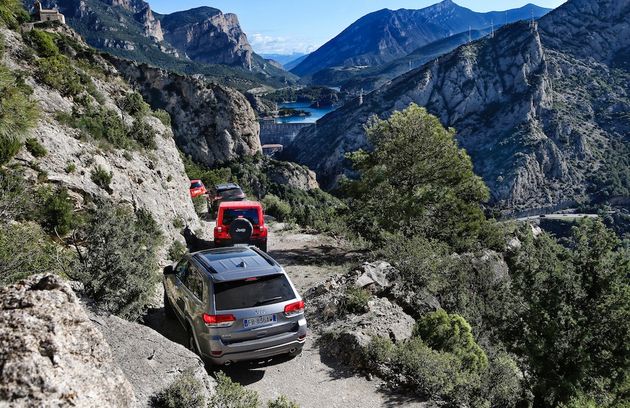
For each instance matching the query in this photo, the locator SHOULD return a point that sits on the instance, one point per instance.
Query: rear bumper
(228, 242)
(284, 343)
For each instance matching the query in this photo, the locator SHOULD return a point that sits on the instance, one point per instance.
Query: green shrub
(452, 334)
(12, 13)
(209, 177)
(379, 350)
(201, 204)
(35, 148)
(42, 42)
(277, 208)
(26, 250)
(16, 201)
(282, 402)
(18, 113)
(503, 382)
(58, 72)
(102, 178)
(120, 264)
(178, 223)
(163, 116)
(133, 104)
(229, 394)
(185, 391)
(70, 168)
(143, 133)
(9, 147)
(56, 212)
(176, 251)
(356, 300)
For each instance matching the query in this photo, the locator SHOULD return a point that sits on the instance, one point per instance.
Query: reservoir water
(316, 113)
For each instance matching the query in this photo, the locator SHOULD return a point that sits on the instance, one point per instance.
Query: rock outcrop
(50, 352)
(207, 35)
(152, 179)
(535, 128)
(148, 359)
(212, 123)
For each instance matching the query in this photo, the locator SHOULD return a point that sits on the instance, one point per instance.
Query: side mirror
(169, 270)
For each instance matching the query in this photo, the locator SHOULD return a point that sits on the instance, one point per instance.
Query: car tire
(192, 344)
(168, 308)
(263, 247)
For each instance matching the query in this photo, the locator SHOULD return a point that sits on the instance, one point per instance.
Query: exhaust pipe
(227, 363)
(293, 350)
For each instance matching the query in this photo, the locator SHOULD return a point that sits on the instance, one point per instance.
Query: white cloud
(267, 44)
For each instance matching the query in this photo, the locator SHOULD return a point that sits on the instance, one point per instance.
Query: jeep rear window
(252, 292)
(230, 214)
(195, 185)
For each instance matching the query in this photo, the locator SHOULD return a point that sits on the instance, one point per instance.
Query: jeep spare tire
(241, 231)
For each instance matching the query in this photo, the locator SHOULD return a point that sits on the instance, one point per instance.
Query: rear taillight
(219, 229)
(218, 320)
(294, 309)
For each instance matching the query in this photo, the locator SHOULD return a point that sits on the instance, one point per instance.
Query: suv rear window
(230, 214)
(196, 184)
(252, 292)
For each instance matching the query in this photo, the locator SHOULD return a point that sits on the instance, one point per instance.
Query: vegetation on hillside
(552, 332)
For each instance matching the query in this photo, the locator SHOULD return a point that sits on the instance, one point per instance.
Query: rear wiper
(265, 301)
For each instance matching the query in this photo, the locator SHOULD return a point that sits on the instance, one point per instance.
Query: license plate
(259, 321)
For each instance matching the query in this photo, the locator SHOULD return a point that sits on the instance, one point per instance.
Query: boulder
(50, 352)
(149, 360)
(375, 275)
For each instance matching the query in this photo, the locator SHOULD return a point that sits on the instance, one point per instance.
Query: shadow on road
(321, 255)
(167, 327)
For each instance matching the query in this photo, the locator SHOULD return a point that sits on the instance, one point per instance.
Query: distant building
(43, 15)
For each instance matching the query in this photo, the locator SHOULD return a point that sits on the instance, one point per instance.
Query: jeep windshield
(250, 214)
(252, 292)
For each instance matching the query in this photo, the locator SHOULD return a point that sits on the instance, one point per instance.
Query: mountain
(385, 35)
(283, 58)
(197, 41)
(294, 63)
(541, 109)
(354, 79)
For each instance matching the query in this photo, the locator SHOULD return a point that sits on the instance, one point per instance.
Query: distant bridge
(279, 133)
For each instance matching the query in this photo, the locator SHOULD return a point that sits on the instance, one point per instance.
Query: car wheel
(263, 247)
(168, 308)
(192, 344)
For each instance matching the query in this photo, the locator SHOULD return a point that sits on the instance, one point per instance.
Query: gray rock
(149, 360)
(50, 352)
(375, 274)
(212, 123)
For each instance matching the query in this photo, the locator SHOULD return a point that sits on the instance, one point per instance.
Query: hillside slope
(385, 35)
(539, 109)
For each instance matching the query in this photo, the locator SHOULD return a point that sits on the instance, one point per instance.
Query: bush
(276, 207)
(70, 168)
(282, 402)
(133, 104)
(229, 394)
(120, 266)
(18, 113)
(9, 147)
(356, 300)
(35, 148)
(99, 124)
(163, 116)
(143, 133)
(12, 13)
(42, 42)
(16, 202)
(58, 72)
(185, 391)
(201, 204)
(452, 334)
(26, 250)
(102, 178)
(176, 251)
(56, 213)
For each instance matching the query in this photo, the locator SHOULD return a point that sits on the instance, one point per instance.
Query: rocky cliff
(386, 35)
(207, 35)
(213, 124)
(538, 107)
(51, 354)
(152, 179)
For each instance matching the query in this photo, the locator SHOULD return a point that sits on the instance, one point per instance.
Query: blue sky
(287, 26)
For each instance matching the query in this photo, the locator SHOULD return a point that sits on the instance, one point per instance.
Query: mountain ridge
(385, 35)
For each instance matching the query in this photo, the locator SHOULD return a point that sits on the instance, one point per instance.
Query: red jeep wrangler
(240, 222)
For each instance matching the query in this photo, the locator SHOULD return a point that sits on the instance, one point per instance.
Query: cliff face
(207, 35)
(153, 179)
(533, 106)
(212, 123)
